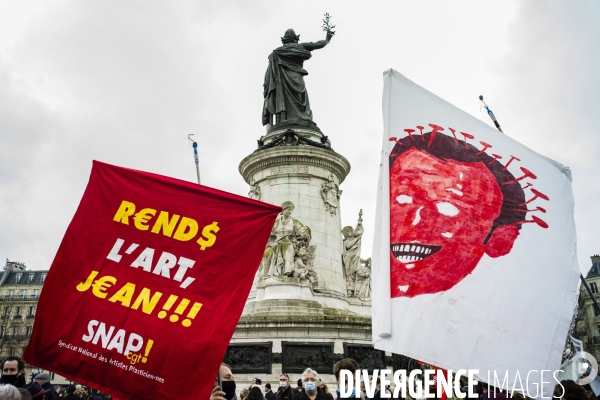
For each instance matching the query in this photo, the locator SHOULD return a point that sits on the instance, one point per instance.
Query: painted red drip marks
(420, 128)
(512, 158)
(435, 129)
(526, 210)
(454, 134)
(527, 174)
(467, 135)
(535, 220)
(410, 131)
(485, 147)
(537, 195)
(496, 158)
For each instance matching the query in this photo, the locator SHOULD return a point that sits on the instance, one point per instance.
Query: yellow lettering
(101, 284)
(183, 233)
(209, 235)
(124, 295)
(124, 212)
(145, 301)
(163, 222)
(142, 217)
(83, 286)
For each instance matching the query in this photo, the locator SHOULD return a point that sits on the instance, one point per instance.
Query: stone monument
(310, 301)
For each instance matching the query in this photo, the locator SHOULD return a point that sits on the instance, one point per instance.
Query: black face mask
(15, 380)
(229, 388)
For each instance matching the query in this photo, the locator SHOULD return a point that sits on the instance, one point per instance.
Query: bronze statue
(284, 90)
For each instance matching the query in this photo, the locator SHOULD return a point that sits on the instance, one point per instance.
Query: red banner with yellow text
(148, 284)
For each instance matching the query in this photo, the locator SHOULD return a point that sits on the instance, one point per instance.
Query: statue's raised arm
(284, 91)
(310, 46)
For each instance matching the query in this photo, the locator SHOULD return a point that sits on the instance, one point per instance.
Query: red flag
(148, 284)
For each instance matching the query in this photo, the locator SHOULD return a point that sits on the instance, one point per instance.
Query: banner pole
(491, 114)
(195, 145)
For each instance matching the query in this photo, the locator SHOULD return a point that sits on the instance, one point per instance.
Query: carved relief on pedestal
(254, 192)
(249, 357)
(296, 356)
(358, 271)
(368, 357)
(330, 192)
(289, 252)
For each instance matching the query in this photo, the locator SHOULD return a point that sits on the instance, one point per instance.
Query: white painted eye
(404, 199)
(447, 209)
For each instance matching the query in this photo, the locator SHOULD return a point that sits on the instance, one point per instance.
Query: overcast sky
(125, 82)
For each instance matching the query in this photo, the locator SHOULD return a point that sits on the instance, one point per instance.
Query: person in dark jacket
(255, 393)
(310, 386)
(323, 386)
(269, 395)
(285, 391)
(44, 380)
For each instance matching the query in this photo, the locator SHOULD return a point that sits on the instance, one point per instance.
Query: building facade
(587, 327)
(19, 293)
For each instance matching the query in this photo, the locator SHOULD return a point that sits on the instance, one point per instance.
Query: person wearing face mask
(350, 365)
(285, 391)
(227, 392)
(13, 372)
(310, 389)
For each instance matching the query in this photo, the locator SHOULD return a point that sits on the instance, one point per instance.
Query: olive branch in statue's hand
(327, 26)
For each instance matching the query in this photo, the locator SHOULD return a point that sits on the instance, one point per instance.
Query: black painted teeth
(406, 252)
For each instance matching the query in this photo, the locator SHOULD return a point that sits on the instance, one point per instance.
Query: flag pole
(491, 114)
(195, 145)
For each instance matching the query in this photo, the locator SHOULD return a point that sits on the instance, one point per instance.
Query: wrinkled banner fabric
(148, 284)
(474, 261)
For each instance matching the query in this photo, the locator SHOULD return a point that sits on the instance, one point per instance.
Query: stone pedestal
(297, 173)
(287, 320)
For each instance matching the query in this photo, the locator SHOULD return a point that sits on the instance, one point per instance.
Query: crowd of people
(311, 387)
(14, 386)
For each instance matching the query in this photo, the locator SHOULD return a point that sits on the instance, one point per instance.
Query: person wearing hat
(36, 390)
(44, 380)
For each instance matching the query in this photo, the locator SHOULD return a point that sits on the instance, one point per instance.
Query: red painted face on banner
(441, 212)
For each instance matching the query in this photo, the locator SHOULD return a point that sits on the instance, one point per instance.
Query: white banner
(474, 261)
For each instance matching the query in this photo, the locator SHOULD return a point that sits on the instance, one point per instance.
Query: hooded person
(13, 372)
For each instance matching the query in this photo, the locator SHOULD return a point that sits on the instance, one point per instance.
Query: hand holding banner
(148, 284)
